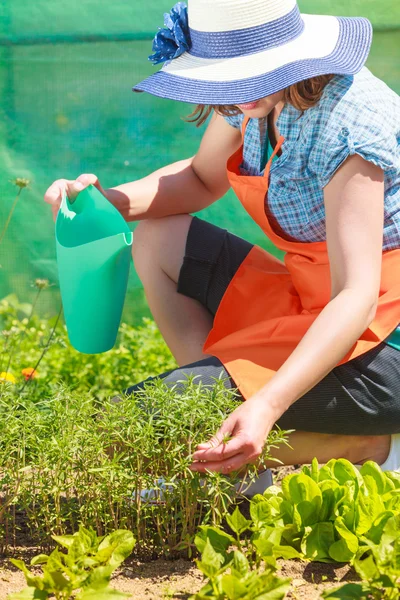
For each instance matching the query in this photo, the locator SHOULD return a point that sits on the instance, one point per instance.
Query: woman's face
(261, 108)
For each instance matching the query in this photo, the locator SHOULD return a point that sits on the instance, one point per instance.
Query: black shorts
(360, 397)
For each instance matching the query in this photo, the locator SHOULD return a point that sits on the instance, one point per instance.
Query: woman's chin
(256, 113)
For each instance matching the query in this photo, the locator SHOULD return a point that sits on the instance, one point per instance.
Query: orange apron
(269, 305)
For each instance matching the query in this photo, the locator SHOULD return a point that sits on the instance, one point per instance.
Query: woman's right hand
(54, 193)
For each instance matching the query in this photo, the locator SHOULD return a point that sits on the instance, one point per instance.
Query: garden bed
(178, 579)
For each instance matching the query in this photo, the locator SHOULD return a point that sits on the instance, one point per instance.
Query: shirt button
(345, 132)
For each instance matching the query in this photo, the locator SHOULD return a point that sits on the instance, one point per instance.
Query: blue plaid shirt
(356, 115)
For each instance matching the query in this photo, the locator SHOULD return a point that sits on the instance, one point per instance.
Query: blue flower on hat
(174, 40)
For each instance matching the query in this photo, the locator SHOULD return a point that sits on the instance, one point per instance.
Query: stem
(24, 330)
(3, 233)
(44, 350)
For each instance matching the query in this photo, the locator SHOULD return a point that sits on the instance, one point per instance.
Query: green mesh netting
(66, 107)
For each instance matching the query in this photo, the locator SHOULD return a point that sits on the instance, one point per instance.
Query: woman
(308, 139)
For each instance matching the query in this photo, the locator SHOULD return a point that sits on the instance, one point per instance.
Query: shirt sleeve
(366, 130)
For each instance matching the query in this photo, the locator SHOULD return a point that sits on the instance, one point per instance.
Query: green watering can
(93, 244)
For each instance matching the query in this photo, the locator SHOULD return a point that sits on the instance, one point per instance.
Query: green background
(66, 107)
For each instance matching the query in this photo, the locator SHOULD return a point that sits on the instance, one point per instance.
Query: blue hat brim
(348, 58)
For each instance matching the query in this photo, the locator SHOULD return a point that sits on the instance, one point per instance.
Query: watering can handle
(69, 214)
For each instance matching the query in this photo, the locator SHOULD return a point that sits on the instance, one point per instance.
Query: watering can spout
(93, 255)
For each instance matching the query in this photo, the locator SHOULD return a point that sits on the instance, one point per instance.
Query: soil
(177, 580)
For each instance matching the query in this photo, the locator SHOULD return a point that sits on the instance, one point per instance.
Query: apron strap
(275, 152)
(244, 126)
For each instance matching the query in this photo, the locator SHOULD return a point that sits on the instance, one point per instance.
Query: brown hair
(302, 95)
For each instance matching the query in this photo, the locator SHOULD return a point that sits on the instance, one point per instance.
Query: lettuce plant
(234, 568)
(378, 567)
(86, 566)
(327, 514)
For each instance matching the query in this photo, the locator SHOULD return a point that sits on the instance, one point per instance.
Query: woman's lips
(248, 106)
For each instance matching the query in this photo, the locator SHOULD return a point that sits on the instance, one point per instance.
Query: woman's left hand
(246, 430)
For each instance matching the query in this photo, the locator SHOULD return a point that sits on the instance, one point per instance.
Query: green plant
(86, 567)
(20, 183)
(237, 568)
(327, 514)
(75, 449)
(378, 567)
(139, 352)
(68, 458)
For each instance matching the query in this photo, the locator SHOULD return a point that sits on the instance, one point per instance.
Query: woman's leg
(158, 253)
(323, 446)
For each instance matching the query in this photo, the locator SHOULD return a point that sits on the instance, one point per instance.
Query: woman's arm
(354, 201)
(183, 187)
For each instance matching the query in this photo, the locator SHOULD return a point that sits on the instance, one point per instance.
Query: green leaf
(55, 581)
(369, 507)
(286, 488)
(265, 549)
(391, 530)
(286, 552)
(373, 470)
(237, 521)
(317, 540)
(349, 591)
(291, 535)
(269, 587)
(260, 511)
(326, 472)
(309, 511)
(240, 563)
(366, 568)
(301, 488)
(40, 559)
(219, 540)
(20, 565)
(55, 561)
(32, 580)
(344, 471)
(376, 531)
(346, 548)
(233, 588)
(315, 470)
(211, 561)
(99, 577)
(121, 543)
(64, 540)
(29, 593)
(329, 500)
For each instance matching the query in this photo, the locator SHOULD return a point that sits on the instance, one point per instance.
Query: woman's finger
(217, 439)
(225, 466)
(90, 179)
(222, 451)
(54, 192)
(74, 187)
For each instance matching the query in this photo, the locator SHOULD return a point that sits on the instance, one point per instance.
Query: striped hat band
(247, 40)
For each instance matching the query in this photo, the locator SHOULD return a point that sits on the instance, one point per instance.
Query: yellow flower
(7, 377)
(21, 182)
(29, 373)
(41, 284)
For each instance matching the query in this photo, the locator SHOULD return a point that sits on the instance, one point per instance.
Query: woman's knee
(160, 243)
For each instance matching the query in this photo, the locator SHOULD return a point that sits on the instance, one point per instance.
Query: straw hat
(238, 51)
